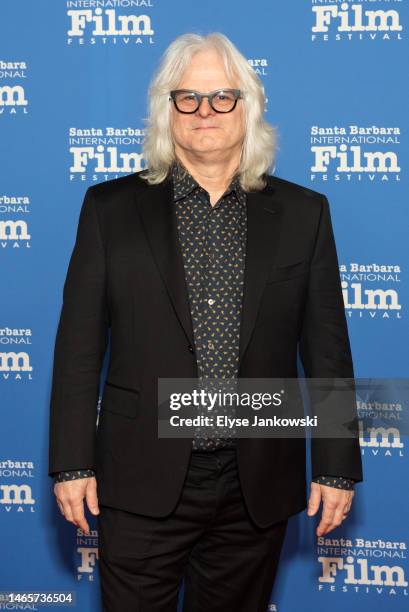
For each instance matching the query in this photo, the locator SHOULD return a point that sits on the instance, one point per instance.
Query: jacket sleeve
(325, 353)
(80, 346)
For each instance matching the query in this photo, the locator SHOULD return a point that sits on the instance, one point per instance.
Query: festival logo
(87, 549)
(379, 21)
(380, 441)
(13, 97)
(15, 362)
(371, 291)
(382, 407)
(122, 22)
(14, 233)
(99, 154)
(355, 153)
(16, 495)
(260, 67)
(362, 566)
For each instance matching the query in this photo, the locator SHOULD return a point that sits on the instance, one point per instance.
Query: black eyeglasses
(221, 100)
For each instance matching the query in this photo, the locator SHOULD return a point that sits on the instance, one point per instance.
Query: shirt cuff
(73, 475)
(338, 482)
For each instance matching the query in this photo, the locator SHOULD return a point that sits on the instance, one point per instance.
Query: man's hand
(336, 506)
(70, 495)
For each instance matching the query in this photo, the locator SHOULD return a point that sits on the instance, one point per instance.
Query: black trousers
(227, 562)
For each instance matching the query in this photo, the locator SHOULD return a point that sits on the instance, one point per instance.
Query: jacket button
(190, 348)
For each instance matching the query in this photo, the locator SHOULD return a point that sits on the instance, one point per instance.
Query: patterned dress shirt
(213, 244)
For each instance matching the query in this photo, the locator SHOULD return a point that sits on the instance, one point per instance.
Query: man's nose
(205, 108)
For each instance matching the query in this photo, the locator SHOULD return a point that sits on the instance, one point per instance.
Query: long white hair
(260, 140)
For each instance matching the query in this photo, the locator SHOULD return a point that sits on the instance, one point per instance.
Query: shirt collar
(184, 183)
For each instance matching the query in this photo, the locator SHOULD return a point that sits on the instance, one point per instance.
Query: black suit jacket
(126, 278)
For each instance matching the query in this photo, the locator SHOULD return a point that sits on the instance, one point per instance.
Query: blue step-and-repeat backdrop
(73, 98)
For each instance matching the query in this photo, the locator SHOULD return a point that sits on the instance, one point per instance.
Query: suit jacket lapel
(160, 224)
(263, 223)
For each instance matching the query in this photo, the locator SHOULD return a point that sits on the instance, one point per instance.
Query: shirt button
(190, 348)
(210, 344)
(211, 302)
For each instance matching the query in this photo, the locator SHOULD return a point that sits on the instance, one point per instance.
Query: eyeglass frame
(237, 93)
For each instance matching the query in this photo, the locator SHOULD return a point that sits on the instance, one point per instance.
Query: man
(201, 266)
